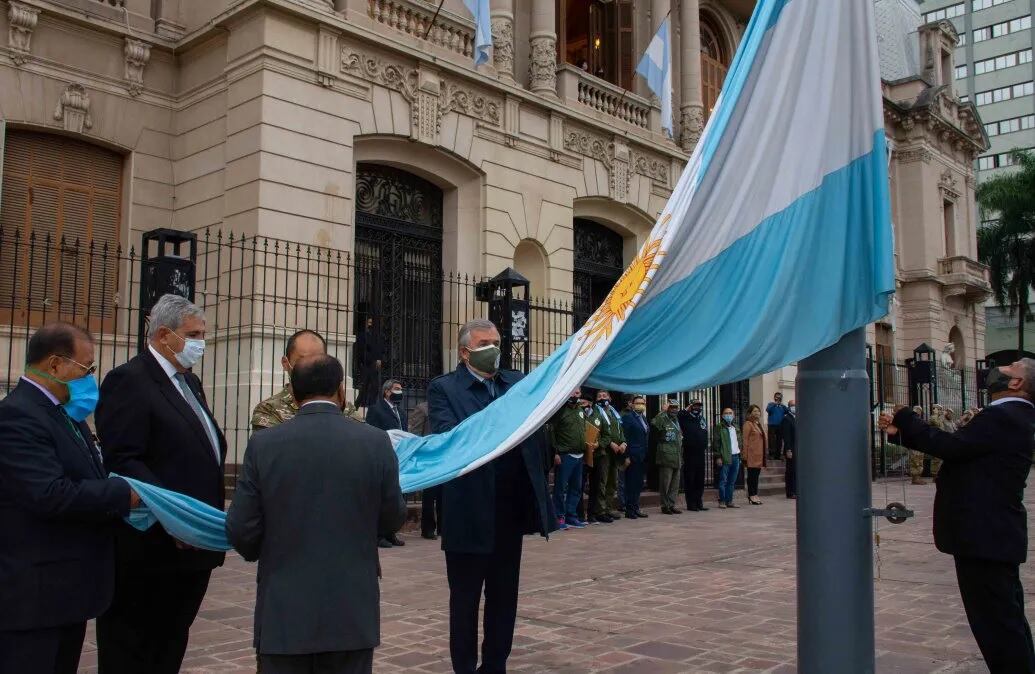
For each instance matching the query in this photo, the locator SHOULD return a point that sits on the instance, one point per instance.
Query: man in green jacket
(610, 450)
(669, 452)
(568, 440)
(726, 444)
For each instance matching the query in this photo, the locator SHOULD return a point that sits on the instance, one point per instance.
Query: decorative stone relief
(691, 124)
(620, 173)
(396, 77)
(21, 20)
(137, 53)
(74, 109)
(471, 103)
(949, 184)
(542, 66)
(653, 167)
(503, 45)
(590, 145)
(909, 156)
(426, 110)
(326, 53)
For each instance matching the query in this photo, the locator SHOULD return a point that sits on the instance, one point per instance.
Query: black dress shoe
(430, 535)
(692, 510)
(384, 543)
(640, 513)
(666, 511)
(396, 541)
(630, 515)
(702, 508)
(675, 511)
(606, 519)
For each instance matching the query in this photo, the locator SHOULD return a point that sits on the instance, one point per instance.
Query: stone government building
(363, 127)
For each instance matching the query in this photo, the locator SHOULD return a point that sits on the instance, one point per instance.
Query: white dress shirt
(1010, 399)
(170, 371)
(734, 445)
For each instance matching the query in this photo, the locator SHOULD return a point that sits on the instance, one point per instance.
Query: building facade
(994, 69)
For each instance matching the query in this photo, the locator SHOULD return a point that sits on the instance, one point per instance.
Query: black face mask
(605, 403)
(695, 411)
(396, 397)
(573, 401)
(996, 381)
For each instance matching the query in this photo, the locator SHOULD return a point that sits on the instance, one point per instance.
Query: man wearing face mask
(695, 447)
(57, 507)
(670, 439)
(726, 444)
(789, 435)
(568, 440)
(487, 512)
(155, 426)
(610, 451)
(979, 515)
(388, 414)
(637, 435)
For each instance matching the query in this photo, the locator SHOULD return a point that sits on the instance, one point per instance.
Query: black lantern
(510, 312)
(169, 271)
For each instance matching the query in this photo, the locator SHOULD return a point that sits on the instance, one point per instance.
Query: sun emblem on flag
(622, 297)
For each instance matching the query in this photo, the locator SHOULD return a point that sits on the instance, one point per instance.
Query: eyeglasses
(92, 369)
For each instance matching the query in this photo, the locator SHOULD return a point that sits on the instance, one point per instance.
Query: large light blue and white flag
(482, 29)
(775, 242)
(656, 68)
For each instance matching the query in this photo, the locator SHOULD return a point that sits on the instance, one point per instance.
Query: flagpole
(835, 543)
(432, 23)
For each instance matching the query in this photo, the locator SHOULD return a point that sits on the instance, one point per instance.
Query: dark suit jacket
(468, 522)
(314, 495)
(695, 438)
(636, 436)
(57, 516)
(979, 502)
(789, 431)
(381, 416)
(149, 432)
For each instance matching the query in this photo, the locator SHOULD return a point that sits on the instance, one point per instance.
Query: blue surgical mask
(728, 418)
(82, 394)
(793, 409)
(193, 350)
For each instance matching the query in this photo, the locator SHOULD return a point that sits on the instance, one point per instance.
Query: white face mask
(193, 350)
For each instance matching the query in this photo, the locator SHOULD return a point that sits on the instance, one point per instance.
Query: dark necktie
(195, 405)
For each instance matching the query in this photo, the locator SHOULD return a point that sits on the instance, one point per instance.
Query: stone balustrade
(414, 19)
(577, 86)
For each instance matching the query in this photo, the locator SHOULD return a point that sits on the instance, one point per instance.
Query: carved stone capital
(503, 45)
(542, 66)
(21, 20)
(73, 109)
(137, 53)
(691, 126)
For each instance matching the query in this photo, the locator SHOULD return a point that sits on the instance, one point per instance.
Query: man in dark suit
(430, 498)
(636, 430)
(368, 356)
(789, 436)
(388, 414)
(979, 515)
(317, 603)
(154, 426)
(695, 449)
(486, 512)
(57, 507)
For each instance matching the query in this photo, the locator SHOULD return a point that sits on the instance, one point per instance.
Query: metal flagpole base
(835, 553)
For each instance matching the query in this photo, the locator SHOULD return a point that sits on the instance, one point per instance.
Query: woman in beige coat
(755, 447)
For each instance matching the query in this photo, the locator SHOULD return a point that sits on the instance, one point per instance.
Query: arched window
(61, 203)
(597, 36)
(715, 62)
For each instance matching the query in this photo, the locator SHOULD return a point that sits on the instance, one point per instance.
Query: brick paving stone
(710, 593)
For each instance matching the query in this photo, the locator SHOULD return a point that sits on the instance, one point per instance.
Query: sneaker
(561, 524)
(574, 523)
(722, 506)
(640, 513)
(396, 541)
(732, 505)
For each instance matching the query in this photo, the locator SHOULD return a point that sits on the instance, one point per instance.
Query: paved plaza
(696, 592)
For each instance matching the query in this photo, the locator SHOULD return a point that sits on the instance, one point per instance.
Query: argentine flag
(775, 242)
(656, 68)
(482, 29)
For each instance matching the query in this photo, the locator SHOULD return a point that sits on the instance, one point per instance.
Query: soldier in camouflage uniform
(916, 459)
(282, 406)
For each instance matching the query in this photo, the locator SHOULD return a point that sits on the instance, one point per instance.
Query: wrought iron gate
(598, 265)
(399, 270)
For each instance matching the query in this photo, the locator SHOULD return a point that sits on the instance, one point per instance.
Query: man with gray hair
(979, 515)
(155, 426)
(487, 512)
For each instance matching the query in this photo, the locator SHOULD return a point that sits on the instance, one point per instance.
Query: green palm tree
(1007, 244)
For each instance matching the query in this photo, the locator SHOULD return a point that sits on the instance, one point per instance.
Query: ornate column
(503, 37)
(691, 119)
(542, 65)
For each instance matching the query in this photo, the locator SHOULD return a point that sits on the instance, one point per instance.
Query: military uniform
(667, 458)
(281, 407)
(605, 461)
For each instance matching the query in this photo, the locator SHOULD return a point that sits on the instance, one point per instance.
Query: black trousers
(498, 574)
(994, 601)
(693, 477)
(52, 650)
(338, 662)
(430, 510)
(790, 477)
(775, 442)
(148, 624)
(752, 480)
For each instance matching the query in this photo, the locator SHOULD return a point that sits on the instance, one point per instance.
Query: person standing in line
(430, 498)
(979, 514)
(774, 420)
(388, 414)
(588, 493)
(487, 512)
(155, 426)
(916, 459)
(58, 507)
(789, 430)
(317, 600)
(610, 449)
(568, 440)
(369, 356)
(695, 449)
(726, 444)
(754, 451)
(636, 431)
(670, 441)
